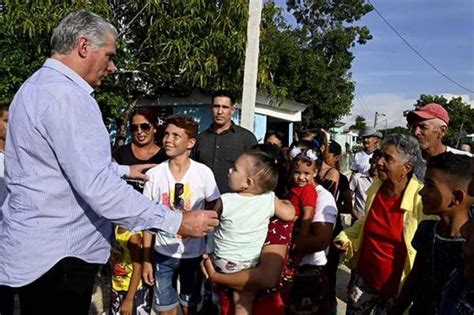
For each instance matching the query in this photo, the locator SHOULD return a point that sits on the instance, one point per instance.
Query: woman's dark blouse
(124, 156)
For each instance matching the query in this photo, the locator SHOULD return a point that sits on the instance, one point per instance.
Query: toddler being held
(245, 216)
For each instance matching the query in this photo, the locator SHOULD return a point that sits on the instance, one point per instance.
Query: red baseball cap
(429, 111)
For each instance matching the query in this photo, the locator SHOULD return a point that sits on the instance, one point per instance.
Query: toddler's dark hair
(264, 169)
(281, 190)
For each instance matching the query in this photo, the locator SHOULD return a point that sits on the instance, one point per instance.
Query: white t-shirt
(326, 211)
(361, 162)
(359, 185)
(243, 226)
(199, 186)
(456, 151)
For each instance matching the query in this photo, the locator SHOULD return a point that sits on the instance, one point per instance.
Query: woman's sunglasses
(143, 127)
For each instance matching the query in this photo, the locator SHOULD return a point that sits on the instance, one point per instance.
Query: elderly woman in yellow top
(378, 246)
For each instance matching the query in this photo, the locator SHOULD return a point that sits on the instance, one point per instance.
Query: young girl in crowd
(245, 216)
(309, 292)
(129, 296)
(328, 175)
(303, 196)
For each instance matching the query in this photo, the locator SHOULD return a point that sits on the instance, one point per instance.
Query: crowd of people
(213, 221)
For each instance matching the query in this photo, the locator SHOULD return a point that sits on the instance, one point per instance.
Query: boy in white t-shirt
(183, 185)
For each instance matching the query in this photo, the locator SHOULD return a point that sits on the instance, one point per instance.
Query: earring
(401, 178)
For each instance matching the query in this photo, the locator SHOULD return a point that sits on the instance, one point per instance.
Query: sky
(389, 77)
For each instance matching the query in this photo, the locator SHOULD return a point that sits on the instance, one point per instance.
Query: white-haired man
(428, 125)
(64, 189)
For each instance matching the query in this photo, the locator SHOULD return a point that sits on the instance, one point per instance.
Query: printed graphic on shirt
(181, 197)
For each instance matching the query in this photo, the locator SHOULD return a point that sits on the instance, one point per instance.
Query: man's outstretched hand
(137, 171)
(198, 223)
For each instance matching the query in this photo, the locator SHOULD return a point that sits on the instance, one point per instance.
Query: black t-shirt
(219, 151)
(124, 156)
(440, 256)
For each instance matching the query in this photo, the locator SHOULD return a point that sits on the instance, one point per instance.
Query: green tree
(325, 35)
(461, 116)
(164, 46)
(177, 46)
(25, 30)
(360, 123)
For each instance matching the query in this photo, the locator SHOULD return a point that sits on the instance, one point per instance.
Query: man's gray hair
(408, 148)
(80, 23)
(438, 123)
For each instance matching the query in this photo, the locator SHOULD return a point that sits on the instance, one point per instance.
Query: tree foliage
(164, 46)
(461, 115)
(177, 46)
(25, 30)
(181, 45)
(311, 63)
(360, 123)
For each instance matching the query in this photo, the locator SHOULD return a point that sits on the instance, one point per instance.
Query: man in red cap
(428, 125)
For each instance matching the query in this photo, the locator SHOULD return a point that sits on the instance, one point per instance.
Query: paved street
(99, 299)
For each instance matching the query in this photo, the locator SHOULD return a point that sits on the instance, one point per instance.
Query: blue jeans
(168, 269)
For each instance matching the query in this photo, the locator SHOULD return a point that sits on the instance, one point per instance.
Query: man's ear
(443, 129)
(83, 47)
(458, 196)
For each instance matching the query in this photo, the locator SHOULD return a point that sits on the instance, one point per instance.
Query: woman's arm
(332, 177)
(307, 215)
(135, 247)
(344, 202)
(215, 205)
(284, 210)
(318, 240)
(264, 276)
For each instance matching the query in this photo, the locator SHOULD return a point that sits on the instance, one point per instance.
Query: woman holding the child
(314, 236)
(267, 274)
(379, 245)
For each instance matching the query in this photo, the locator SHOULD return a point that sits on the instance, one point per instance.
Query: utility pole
(377, 114)
(249, 93)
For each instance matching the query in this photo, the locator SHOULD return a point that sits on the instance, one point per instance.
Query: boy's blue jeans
(168, 271)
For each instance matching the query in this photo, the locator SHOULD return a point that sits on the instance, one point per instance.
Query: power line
(418, 53)
(132, 20)
(362, 104)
